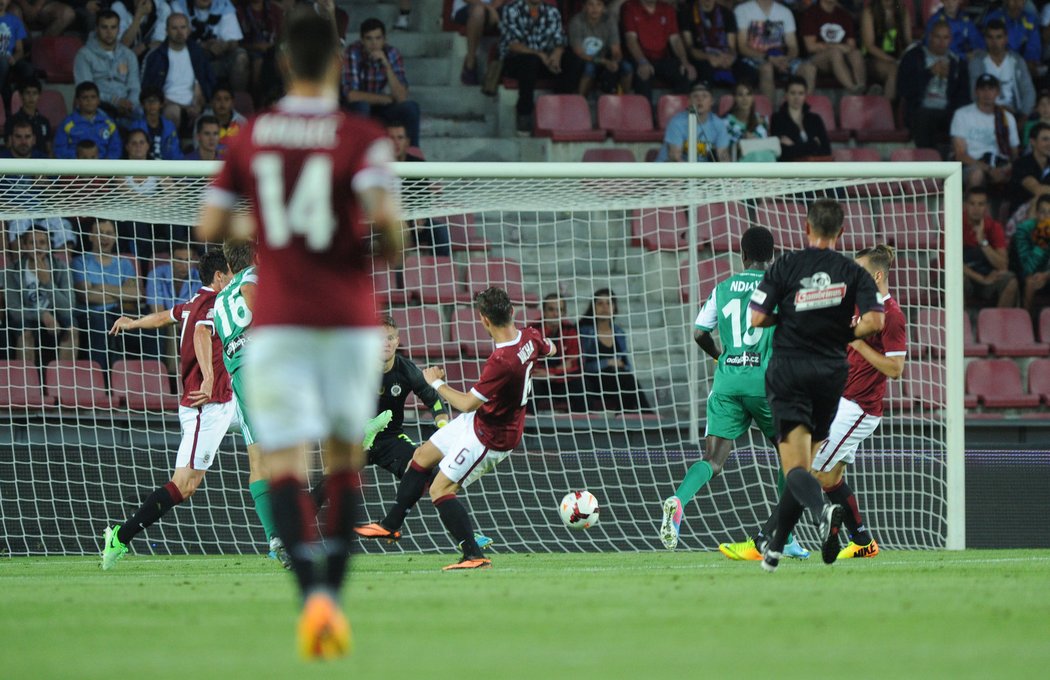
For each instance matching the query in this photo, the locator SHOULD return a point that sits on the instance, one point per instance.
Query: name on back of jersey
(526, 352)
(818, 292)
(738, 286)
(295, 132)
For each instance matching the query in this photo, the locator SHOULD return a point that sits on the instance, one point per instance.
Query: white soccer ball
(579, 510)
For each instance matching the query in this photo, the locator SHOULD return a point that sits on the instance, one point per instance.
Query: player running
(490, 425)
(205, 411)
(738, 397)
(312, 175)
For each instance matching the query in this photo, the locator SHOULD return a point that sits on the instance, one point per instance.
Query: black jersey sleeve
(424, 391)
(771, 289)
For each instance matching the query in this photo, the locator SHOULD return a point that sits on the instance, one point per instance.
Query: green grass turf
(680, 615)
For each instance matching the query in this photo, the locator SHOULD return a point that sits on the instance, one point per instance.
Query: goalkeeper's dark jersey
(402, 378)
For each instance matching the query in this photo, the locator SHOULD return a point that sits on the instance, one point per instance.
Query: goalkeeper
(738, 397)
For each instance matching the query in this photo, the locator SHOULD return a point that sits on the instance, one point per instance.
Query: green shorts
(729, 417)
(237, 380)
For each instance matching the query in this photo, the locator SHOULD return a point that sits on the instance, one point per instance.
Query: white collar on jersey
(297, 104)
(882, 298)
(510, 343)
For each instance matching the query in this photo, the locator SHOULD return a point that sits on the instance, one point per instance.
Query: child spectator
(87, 123)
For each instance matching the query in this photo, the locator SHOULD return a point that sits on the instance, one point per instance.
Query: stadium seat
(870, 118)
(51, 104)
(858, 231)
(20, 386)
(821, 105)
(910, 283)
(787, 221)
(501, 272)
(1008, 333)
(628, 118)
(1044, 325)
(54, 56)
(896, 400)
(469, 334)
(464, 235)
(565, 118)
(661, 228)
(997, 384)
(909, 225)
(924, 382)
(651, 154)
(927, 333)
(711, 271)
(433, 280)
(422, 333)
(388, 293)
(972, 348)
(608, 156)
(860, 154)
(721, 225)
(1039, 379)
(77, 383)
(464, 373)
(921, 155)
(668, 106)
(763, 106)
(143, 386)
(929, 8)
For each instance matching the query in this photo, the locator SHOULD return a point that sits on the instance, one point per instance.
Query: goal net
(81, 443)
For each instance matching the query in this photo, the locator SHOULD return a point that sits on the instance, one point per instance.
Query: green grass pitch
(974, 614)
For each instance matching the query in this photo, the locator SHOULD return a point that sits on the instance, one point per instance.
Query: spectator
(261, 25)
(207, 141)
(23, 191)
(1040, 115)
(594, 40)
(606, 361)
(107, 283)
(767, 43)
(986, 276)
(984, 136)
(214, 26)
(160, 131)
(885, 32)
(1031, 172)
(230, 121)
(39, 299)
(557, 382)
(933, 85)
(42, 133)
(374, 80)
(801, 132)
(531, 44)
(404, 15)
(650, 31)
(174, 281)
(87, 122)
(180, 69)
(21, 142)
(113, 67)
(431, 232)
(63, 238)
(13, 68)
(744, 122)
(136, 145)
(830, 39)
(51, 17)
(142, 23)
(87, 150)
(709, 33)
(965, 37)
(712, 138)
(1032, 252)
(1016, 91)
(1022, 32)
(477, 16)
(402, 145)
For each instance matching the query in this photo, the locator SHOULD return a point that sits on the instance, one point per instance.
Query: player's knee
(716, 466)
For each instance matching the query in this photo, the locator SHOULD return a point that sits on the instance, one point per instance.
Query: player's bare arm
(891, 367)
(706, 343)
(202, 348)
(762, 320)
(870, 323)
(461, 401)
(381, 207)
(155, 320)
(214, 223)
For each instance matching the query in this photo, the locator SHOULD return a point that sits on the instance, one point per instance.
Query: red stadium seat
(608, 156)
(924, 382)
(565, 118)
(870, 117)
(464, 235)
(651, 154)
(389, 293)
(668, 106)
(51, 104)
(143, 386)
(469, 334)
(972, 348)
(1044, 325)
(1039, 379)
(763, 106)
(861, 154)
(54, 56)
(722, 224)
(501, 272)
(422, 333)
(997, 384)
(433, 280)
(821, 105)
(661, 228)
(1008, 333)
(909, 225)
(628, 118)
(20, 386)
(711, 272)
(464, 373)
(927, 333)
(77, 383)
(787, 221)
(920, 155)
(858, 230)
(896, 399)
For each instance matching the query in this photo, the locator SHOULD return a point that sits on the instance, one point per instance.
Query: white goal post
(658, 235)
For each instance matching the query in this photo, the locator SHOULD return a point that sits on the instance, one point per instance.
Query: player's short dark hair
(206, 120)
(239, 253)
(797, 80)
(1043, 198)
(86, 86)
(756, 245)
(29, 83)
(22, 123)
(210, 263)
(395, 123)
(995, 25)
(825, 216)
(151, 92)
(1037, 128)
(309, 43)
(494, 304)
(106, 14)
(983, 191)
(388, 322)
(371, 24)
(880, 256)
(222, 86)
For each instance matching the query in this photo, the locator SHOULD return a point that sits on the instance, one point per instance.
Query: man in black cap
(984, 136)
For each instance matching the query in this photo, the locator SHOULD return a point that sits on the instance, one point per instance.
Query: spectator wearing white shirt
(1016, 91)
(984, 136)
(214, 26)
(142, 23)
(180, 69)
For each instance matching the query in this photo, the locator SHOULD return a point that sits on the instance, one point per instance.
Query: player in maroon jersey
(311, 175)
(205, 410)
(490, 425)
(871, 362)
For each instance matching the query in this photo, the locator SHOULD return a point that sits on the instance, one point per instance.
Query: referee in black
(811, 296)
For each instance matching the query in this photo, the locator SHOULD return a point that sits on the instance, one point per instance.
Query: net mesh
(81, 444)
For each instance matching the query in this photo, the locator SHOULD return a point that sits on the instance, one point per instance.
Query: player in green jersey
(738, 397)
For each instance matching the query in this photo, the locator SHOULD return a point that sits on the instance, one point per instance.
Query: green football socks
(260, 491)
(700, 473)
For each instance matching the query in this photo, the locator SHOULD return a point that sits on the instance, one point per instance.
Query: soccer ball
(579, 510)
